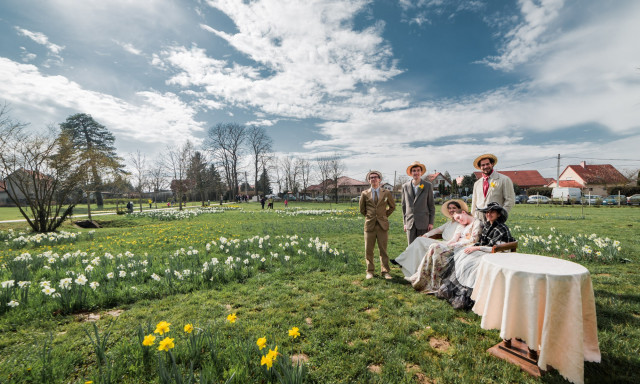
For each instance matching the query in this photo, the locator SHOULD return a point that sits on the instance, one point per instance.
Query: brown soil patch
(300, 357)
(375, 369)
(422, 379)
(411, 368)
(371, 310)
(350, 343)
(227, 307)
(463, 320)
(115, 312)
(603, 274)
(440, 345)
(309, 321)
(88, 317)
(357, 282)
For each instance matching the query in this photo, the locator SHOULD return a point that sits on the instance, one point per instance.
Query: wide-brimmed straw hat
(445, 205)
(416, 164)
(485, 156)
(493, 206)
(376, 172)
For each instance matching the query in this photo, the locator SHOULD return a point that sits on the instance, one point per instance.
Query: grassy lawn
(351, 330)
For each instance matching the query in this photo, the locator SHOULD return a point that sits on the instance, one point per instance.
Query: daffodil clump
(76, 280)
(557, 244)
(196, 347)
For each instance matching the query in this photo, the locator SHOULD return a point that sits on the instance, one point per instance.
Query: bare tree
(139, 175)
(324, 167)
(304, 167)
(157, 179)
(260, 145)
(41, 173)
(178, 160)
(225, 143)
(290, 170)
(278, 173)
(336, 169)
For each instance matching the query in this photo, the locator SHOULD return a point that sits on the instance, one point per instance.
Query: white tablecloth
(546, 302)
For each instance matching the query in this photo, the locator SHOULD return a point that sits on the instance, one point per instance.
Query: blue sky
(383, 83)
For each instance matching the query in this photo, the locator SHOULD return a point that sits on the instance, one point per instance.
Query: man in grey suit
(418, 207)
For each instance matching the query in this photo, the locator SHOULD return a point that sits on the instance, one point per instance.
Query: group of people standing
(443, 267)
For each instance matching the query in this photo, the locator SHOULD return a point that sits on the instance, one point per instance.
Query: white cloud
(309, 62)
(41, 39)
(151, 118)
(129, 48)
(528, 38)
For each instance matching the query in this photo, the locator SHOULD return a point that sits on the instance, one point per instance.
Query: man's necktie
(375, 197)
(485, 186)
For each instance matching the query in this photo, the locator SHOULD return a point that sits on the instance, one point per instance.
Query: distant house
(437, 179)
(347, 187)
(4, 197)
(523, 179)
(595, 178)
(386, 186)
(23, 181)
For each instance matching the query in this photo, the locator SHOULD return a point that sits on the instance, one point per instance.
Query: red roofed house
(347, 187)
(595, 178)
(437, 179)
(524, 179)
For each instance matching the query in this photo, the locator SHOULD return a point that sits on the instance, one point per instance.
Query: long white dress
(410, 259)
(429, 274)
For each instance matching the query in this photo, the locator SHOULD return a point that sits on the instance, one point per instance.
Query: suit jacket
(376, 213)
(500, 191)
(418, 210)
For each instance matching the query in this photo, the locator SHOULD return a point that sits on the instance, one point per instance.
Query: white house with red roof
(595, 178)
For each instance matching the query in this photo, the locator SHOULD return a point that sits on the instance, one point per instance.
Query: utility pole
(558, 172)
(245, 184)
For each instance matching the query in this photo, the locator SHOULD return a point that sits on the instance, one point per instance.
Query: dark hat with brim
(498, 208)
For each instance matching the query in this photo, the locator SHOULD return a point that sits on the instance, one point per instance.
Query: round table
(546, 302)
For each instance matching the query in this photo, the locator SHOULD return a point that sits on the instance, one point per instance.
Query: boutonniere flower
(421, 186)
(493, 184)
(385, 199)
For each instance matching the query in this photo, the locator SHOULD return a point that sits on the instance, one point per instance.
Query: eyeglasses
(374, 177)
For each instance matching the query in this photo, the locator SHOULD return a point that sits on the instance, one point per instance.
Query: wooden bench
(506, 247)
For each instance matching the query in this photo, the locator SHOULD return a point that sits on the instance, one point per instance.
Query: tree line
(46, 174)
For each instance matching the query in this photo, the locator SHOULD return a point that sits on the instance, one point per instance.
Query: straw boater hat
(445, 205)
(376, 172)
(498, 208)
(416, 164)
(485, 156)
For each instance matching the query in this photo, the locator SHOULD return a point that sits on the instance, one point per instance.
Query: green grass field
(351, 330)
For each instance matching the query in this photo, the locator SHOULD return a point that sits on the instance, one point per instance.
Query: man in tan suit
(418, 208)
(376, 204)
(491, 187)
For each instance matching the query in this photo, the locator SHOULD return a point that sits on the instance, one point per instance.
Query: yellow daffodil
(232, 318)
(166, 344)
(266, 360)
(88, 382)
(493, 184)
(273, 354)
(262, 342)
(162, 328)
(294, 332)
(148, 340)
(188, 328)
(421, 186)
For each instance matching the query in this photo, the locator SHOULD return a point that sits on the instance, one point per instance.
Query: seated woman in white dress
(428, 275)
(459, 275)
(410, 259)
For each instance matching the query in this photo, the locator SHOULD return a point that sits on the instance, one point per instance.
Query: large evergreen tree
(96, 145)
(264, 184)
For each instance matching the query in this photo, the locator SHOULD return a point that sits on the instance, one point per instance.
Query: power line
(595, 158)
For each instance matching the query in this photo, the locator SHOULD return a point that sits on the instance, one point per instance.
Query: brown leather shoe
(369, 276)
(387, 276)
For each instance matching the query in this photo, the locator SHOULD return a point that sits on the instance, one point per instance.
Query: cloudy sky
(383, 83)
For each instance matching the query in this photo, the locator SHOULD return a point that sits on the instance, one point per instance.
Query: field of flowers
(235, 282)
